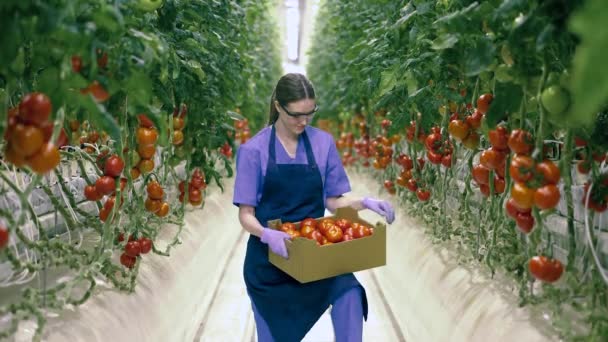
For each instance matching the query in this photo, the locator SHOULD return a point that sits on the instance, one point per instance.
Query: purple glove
(383, 208)
(276, 241)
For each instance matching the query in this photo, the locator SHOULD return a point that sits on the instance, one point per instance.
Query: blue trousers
(346, 317)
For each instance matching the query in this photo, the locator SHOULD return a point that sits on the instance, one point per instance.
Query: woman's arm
(333, 203)
(248, 220)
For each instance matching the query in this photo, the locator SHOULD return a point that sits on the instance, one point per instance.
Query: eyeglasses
(299, 115)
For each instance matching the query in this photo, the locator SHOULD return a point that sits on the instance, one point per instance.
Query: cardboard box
(309, 262)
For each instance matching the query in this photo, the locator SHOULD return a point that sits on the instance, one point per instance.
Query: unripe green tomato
(135, 158)
(149, 5)
(555, 99)
(180, 152)
(503, 73)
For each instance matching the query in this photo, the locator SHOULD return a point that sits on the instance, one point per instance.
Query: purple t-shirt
(252, 159)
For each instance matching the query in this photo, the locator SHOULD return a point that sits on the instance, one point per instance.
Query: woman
(292, 171)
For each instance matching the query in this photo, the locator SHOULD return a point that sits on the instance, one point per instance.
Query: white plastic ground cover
(171, 295)
(432, 297)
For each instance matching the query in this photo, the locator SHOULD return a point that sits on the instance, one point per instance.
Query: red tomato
(434, 158)
(287, 226)
(145, 245)
(102, 58)
(474, 120)
(198, 183)
(525, 222)
(309, 222)
(447, 160)
(306, 231)
(421, 163)
(549, 172)
(481, 174)
(343, 223)
(361, 231)
(26, 139)
(423, 195)
(583, 167)
(522, 168)
(580, 142)
(521, 142)
(334, 234)
(412, 185)
(195, 196)
(511, 208)
(114, 166)
(146, 151)
(491, 158)
(105, 185)
(98, 92)
(144, 121)
(146, 136)
(499, 185)
(155, 191)
(4, 237)
(347, 237)
(35, 108)
(459, 129)
(545, 269)
(317, 236)
(164, 209)
(103, 214)
(483, 102)
(522, 195)
(46, 159)
(433, 142)
(485, 189)
(91, 194)
(499, 138)
(407, 162)
(546, 197)
(127, 260)
(132, 248)
(76, 63)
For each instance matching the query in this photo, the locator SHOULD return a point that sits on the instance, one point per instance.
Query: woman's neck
(284, 133)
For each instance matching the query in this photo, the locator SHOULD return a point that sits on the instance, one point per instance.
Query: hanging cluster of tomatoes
(196, 186)
(438, 150)
(327, 231)
(133, 249)
(406, 177)
(535, 183)
(154, 203)
(466, 130)
(493, 159)
(178, 125)
(29, 132)
(243, 133)
(146, 146)
(106, 185)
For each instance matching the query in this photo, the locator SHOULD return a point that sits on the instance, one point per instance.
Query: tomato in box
(309, 222)
(343, 223)
(306, 231)
(334, 234)
(287, 226)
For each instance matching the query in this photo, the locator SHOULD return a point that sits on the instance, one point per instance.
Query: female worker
(292, 171)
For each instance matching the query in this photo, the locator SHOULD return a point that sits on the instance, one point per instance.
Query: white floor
(229, 317)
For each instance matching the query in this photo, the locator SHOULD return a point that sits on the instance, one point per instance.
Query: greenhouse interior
(303, 170)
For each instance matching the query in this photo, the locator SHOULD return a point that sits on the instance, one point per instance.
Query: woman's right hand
(275, 240)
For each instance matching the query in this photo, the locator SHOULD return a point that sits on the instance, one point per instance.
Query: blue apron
(292, 192)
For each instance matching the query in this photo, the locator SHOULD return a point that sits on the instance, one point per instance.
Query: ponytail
(273, 115)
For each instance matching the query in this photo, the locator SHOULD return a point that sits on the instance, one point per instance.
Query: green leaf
(507, 100)
(445, 41)
(479, 58)
(235, 115)
(388, 81)
(139, 88)
(589, 76)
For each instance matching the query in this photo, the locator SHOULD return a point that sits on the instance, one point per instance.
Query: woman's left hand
(380, 207)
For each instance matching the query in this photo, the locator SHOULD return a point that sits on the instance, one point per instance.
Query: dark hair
(290, 88)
